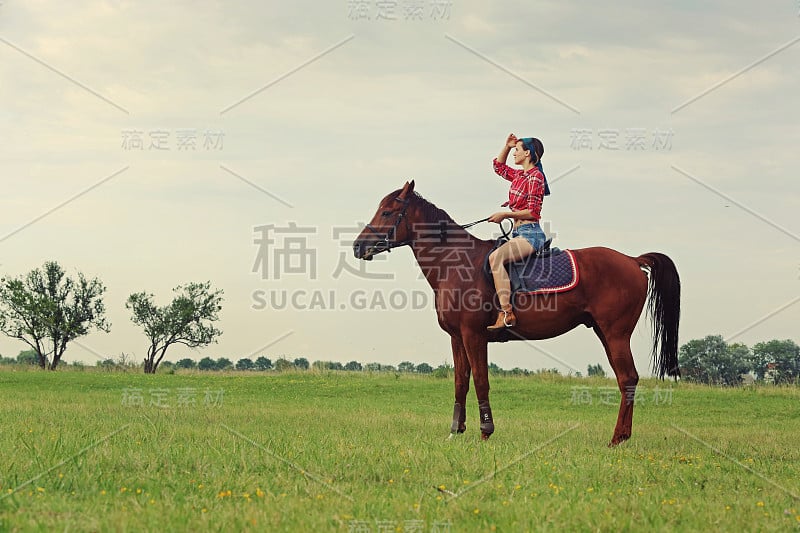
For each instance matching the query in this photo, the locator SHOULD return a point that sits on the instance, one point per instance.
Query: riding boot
(505, 319)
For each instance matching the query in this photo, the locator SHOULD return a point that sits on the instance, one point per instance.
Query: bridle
(385, 244)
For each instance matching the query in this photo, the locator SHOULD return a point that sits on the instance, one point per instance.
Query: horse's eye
(386, 213)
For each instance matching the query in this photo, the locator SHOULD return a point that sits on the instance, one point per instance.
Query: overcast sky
(145, 142)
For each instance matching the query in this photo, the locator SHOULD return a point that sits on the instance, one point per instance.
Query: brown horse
(609, 298)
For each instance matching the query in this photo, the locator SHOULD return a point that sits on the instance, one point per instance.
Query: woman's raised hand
(511, 142)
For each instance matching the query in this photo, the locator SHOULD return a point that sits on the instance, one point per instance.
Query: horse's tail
(664, 306)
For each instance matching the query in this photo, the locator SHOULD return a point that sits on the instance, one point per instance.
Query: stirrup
(506, 322)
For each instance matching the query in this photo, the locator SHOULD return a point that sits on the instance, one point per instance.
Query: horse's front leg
(462, 371)
(476, 346)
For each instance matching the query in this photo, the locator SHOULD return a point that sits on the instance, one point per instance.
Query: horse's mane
(431, 212)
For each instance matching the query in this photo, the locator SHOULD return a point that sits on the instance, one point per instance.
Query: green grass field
(96, 451)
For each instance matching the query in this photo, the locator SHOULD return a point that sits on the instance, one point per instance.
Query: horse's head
(389, 227)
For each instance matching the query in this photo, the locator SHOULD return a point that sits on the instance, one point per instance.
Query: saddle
(549, 270)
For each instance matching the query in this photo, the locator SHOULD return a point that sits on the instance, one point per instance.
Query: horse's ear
(408, 188)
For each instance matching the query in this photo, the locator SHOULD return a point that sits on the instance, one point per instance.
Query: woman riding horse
(528, 189)
(609, 298)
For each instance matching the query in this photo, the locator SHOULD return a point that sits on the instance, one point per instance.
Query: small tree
(328, 365)
(712, 361)
(206, 363)
(783, 356)
(596, 370)
(262, 363)
(445, 370)
(46, 310)
(107, 364)
(301, 363)
(223, 363)
(27, 357)
(405, 366)
(424, 368)
(187, 320)
(244, 364)
(186, 363)
(125, 360)
(353, 366)
(283, 364)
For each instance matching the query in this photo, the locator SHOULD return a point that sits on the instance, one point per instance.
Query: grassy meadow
(345, 451)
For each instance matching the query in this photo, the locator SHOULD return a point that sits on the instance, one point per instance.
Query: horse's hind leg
(462, 371)
(618, 350)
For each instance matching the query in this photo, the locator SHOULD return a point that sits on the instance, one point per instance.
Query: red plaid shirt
(527, 188)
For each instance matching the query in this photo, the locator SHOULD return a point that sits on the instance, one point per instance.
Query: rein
(506, 234)
(465, 226)
(386, 244)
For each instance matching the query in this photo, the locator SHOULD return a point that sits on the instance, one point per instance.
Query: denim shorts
(532, 233)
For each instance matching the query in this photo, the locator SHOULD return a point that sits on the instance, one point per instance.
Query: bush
(443, 371)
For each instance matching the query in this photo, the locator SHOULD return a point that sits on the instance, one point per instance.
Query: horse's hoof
(485, 436)
(616, 441)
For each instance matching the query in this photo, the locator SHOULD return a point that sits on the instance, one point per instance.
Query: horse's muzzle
(362, 250)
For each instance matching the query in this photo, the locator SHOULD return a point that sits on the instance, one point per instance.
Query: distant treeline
(710, 360)
(282, 364)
